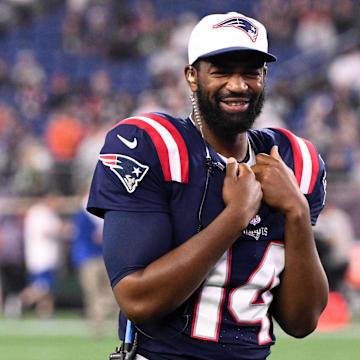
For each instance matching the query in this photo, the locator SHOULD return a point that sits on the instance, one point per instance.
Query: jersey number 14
(248, 303)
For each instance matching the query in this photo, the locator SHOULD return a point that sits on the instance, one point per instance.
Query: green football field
(68, 337)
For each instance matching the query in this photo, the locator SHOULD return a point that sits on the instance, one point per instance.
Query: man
(207, 232)
(43, 230)
(86, 255)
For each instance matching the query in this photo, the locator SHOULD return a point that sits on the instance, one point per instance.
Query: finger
(258, 169)
(275, 152)
(263, 159)
(231, 167)
(255, 168)
(244, 168)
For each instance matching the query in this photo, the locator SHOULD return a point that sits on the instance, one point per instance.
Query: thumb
(231, 167)
(275, 152)
(244, 168)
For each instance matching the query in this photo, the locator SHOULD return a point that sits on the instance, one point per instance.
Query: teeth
(237, 103)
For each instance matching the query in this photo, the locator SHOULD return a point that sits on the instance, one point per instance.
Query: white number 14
(248, 303)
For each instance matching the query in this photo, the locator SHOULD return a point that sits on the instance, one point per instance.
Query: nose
(237, 83)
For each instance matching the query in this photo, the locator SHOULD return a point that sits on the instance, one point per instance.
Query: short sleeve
(128, 175)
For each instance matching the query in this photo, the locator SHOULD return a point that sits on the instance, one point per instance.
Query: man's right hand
(241, 192)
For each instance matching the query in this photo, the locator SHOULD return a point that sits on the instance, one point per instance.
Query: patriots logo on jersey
(256, 220)
(128, 170)
(242, 24)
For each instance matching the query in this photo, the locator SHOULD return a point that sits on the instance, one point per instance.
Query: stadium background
(74, 68)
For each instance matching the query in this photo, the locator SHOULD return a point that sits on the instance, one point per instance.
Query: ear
(191, 75)
(265, 70)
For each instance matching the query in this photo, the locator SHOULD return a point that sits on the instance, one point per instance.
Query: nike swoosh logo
(130, 144)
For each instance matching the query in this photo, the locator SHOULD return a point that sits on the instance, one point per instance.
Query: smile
(235, 106)
(235, 103)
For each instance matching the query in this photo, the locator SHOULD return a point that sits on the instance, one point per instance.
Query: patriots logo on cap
(242, 24)
(128, 170)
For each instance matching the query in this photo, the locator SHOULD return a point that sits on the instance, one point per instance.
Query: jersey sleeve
(317, 197)
(131, 187)
(132, 240)
(140, 158)
(308, 166)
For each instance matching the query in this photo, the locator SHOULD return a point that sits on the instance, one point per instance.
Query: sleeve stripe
(307, 166)
(181, 146)
(298, 162)
(306, 162)
(169, 145)
(159, 143)
(315, 164)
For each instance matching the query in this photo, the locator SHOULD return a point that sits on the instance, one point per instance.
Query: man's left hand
(278, 182)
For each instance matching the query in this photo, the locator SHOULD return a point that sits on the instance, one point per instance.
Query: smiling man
(213, 239)
(234, 107)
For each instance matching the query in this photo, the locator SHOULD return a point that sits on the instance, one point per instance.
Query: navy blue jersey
(154, 165)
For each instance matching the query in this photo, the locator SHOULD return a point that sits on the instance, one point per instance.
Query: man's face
(230, 92)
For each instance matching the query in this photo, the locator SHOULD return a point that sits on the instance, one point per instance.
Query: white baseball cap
(221, 33)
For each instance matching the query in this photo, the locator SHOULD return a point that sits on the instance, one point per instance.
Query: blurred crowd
(61, 120)
(16, 13)
(52, 123)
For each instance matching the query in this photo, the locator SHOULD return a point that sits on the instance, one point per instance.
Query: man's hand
(278, 182)
(303, 290)
(241, 192)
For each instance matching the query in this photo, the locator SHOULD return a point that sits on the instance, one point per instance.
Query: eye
(219, 72)
(253, 73)
(252, 76)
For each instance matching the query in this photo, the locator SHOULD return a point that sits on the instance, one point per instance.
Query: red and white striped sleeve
(169, 143)
(306, 161)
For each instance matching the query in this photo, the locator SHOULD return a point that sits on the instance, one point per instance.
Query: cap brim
(264, 55)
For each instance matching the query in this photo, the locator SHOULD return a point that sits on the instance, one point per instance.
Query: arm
(302, 294)
(165, 283)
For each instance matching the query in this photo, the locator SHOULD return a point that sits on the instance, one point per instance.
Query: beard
(225, 124)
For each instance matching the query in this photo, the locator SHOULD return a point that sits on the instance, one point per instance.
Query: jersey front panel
(230, 310)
